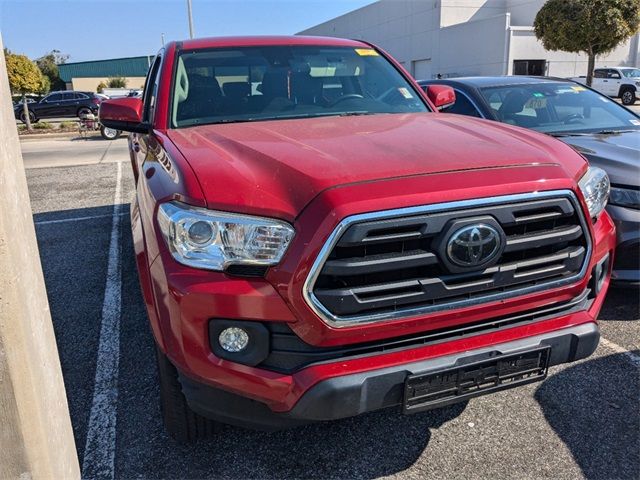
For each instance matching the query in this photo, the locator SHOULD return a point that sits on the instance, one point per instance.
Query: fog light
(233, 339)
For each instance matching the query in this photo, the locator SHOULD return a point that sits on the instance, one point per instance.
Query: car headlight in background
(625, 197)
(595, 188)
(213, 240)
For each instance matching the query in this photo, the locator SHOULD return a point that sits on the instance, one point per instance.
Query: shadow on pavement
(373, 445)
(602, 435)
(621, 304)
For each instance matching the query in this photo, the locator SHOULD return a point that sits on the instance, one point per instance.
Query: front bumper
(182, 303)
(350, 395)
(626, 268)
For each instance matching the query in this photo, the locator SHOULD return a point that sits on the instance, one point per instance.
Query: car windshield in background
(265, 83)
(558, 108)
(631, 72)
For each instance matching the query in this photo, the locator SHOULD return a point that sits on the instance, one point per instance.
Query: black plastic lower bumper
(351, 395)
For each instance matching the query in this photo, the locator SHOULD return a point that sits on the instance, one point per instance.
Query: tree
(24, 77)
(101, 86)
(117, 82)
(594, 27)
(45, 85)
(48, 65)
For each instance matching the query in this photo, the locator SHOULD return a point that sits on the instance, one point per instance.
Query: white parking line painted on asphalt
(633, 358)
(99, 450)
(77, 219)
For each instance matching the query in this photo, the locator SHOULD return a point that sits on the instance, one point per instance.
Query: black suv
(60, 104)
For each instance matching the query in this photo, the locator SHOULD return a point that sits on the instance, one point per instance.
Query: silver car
(605, 132)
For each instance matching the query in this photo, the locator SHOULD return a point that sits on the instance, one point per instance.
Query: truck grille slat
(393, 266)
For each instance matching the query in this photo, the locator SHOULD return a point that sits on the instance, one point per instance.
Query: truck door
(615, 81)
(600, 81)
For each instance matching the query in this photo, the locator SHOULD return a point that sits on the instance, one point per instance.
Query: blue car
(602, 130)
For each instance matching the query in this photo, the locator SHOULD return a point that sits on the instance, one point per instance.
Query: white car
(620, 82)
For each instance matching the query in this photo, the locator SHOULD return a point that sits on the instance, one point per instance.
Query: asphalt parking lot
(582, 422)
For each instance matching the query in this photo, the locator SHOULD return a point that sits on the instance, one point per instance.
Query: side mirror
(441, 96)
(123, 114)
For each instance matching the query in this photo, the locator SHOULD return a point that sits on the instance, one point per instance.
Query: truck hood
(275, 168)
(616, 153)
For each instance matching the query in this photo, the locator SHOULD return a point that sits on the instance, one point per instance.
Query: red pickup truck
(315, 240)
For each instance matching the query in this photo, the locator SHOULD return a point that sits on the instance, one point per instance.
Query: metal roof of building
(116, 67)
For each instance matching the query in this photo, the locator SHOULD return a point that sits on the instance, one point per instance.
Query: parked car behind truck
(618, 82)
(60, 104)
(315, 241)
(607, 134)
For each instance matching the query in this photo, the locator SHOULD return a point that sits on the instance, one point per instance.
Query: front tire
(628, 96)
(183, 424)
(109, 133)
(32, 117)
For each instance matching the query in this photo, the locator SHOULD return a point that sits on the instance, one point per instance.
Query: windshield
(264, 83)
(631, 72)
(558, 108)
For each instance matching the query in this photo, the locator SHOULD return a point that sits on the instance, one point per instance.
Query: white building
(465, 37)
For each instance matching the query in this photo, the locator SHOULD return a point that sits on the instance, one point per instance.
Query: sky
(100, 29)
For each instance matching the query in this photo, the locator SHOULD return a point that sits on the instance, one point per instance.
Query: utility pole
(190, 14)
(36, 439)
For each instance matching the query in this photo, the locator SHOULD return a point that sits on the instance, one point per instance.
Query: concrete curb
(53, 136)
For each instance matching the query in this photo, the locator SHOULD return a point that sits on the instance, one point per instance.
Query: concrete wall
(407, 29)
(524, 46)
(523, 12)
(90, 84)
(485, 56)
(460, 11)
(461, 37)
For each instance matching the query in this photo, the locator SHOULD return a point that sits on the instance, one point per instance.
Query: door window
(54, 97)
(463, 106)
(599, 74)
(68, 96)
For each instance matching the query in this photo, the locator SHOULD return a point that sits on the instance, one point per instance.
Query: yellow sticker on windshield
(578, 88)
(536, 103)
(367, 52)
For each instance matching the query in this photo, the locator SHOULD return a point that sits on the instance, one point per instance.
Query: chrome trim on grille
(338, 322)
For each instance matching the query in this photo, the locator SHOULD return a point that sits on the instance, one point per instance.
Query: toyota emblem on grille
(474, 245)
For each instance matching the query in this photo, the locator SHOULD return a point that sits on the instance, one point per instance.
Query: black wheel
(628, 96)
(183, 424)
(83, 111)
(109, 133)
(32, 117)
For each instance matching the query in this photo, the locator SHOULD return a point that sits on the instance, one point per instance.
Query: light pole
(190, 18)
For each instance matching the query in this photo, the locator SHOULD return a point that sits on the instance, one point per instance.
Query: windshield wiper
(587, 134)
(612, 132)
(196, 122)
(354, 114)
(568, 134)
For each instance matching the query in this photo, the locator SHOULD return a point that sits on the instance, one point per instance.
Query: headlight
(625, 197)
(595, 188)
(212, 240)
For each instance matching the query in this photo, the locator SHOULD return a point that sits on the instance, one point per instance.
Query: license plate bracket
(438, 388)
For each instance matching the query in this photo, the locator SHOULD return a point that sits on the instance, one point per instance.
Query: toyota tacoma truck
(315, 240)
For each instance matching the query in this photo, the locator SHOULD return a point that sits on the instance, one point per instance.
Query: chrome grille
(391, 264)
